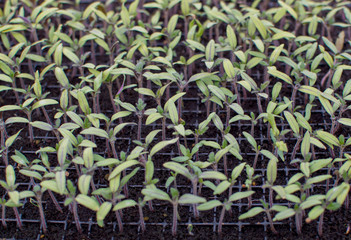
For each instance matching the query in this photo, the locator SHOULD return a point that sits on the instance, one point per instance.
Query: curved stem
(296, 147)
(109, 87)
(57, 205)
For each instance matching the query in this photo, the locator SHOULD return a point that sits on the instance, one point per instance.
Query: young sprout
(258, 91)
(271, 177)
(113, 193)
(337, 194)
(266, 209)
(303, 201)
(156, 96)
(228, 184)
(256, 148)
(226, 205)
(27, 108)
(38, 191)
(6, 144)
(250, 179)
(71, 202)
(175, 200)
(138, 110)
(241, 116)
(169, 111)
(195, 176)
(10, 186)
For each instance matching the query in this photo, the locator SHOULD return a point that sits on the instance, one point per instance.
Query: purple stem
(76, 217)
(18, 219)
(3, 216)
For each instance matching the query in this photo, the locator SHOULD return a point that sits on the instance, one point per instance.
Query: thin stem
(328, 180)
(259, 104)
(140, 85)
(252, 128)
(347, 202)
(225, 164)
(109, 87)
(18, 219)
(119, 220)
(140, 118)
(255, 160)
(16, 93)
(196, 142)
(57, 205)
(296, 147)
(76, 217)
(150, 205)
(208, 105)
(178, 146)
(325, 77)
(163, 128)
(230, 191)
(293, 97)
(93, 187)
(115, 155)
(320, 224)
(298, 223)
(141, 215)
(2, 133)
(42, 215)
(228, 115)
(179, 107)
(249, 199)
(270, 197)
(3, 209)
(30, 128)
(271, 222)
(125, 187)
(175, 214)
(221, 220)
(49, 122)
(93, 53)
(238, 98)
(196, 212)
